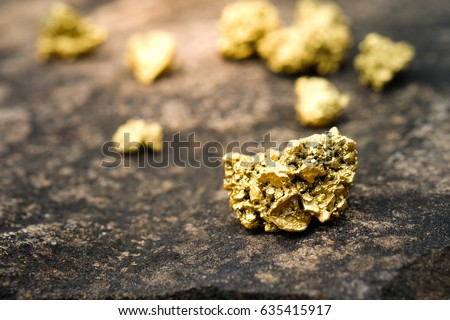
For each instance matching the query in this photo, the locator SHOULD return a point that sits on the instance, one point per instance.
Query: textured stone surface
(72, 229)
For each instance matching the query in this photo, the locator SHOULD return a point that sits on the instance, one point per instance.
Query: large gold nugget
(150, 54)
(380, 59)
(243, 24)
(319, 102)
(284, 190)
(67, 34)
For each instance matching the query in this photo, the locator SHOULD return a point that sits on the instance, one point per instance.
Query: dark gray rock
(70, 228)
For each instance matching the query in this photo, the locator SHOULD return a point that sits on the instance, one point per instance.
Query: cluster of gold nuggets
(66, 34)
(276, 190)
(317, 40)
(312, 177)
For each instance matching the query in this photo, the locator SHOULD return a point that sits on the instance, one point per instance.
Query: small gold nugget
(319, 102)
(67, 34)
(380, 59)
(243, 24)
(136, 133)
(150, 54)
(284, 190)
(318, 39)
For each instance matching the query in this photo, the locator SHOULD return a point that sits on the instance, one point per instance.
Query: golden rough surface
(150, 54)
(319, 12)
(136, 133)
(380, 59)
(65, 33)
(243, 24)
(318, 39)
(285, 51)
(284, 190)
(318, 101)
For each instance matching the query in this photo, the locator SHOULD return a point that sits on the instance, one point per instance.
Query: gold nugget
(318, 39)
(67, 34)
(136, 133)
(380, 59)
(243, 24)
(319, 12)
(284, 190)
(149, 55)
(319, 102)
(285, 51)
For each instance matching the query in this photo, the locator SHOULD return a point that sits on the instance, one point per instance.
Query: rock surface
(70, 228)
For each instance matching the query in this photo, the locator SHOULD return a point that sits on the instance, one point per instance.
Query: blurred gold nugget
(284, 190)
(136, 133)
(319, 102)
(327, 32)
(380, 59)
(285, 51)
(65, 33)
(243, 24)
(150, 54)
(319, 12)
(319, 39)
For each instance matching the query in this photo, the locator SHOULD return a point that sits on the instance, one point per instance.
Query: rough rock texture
(72, 229)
